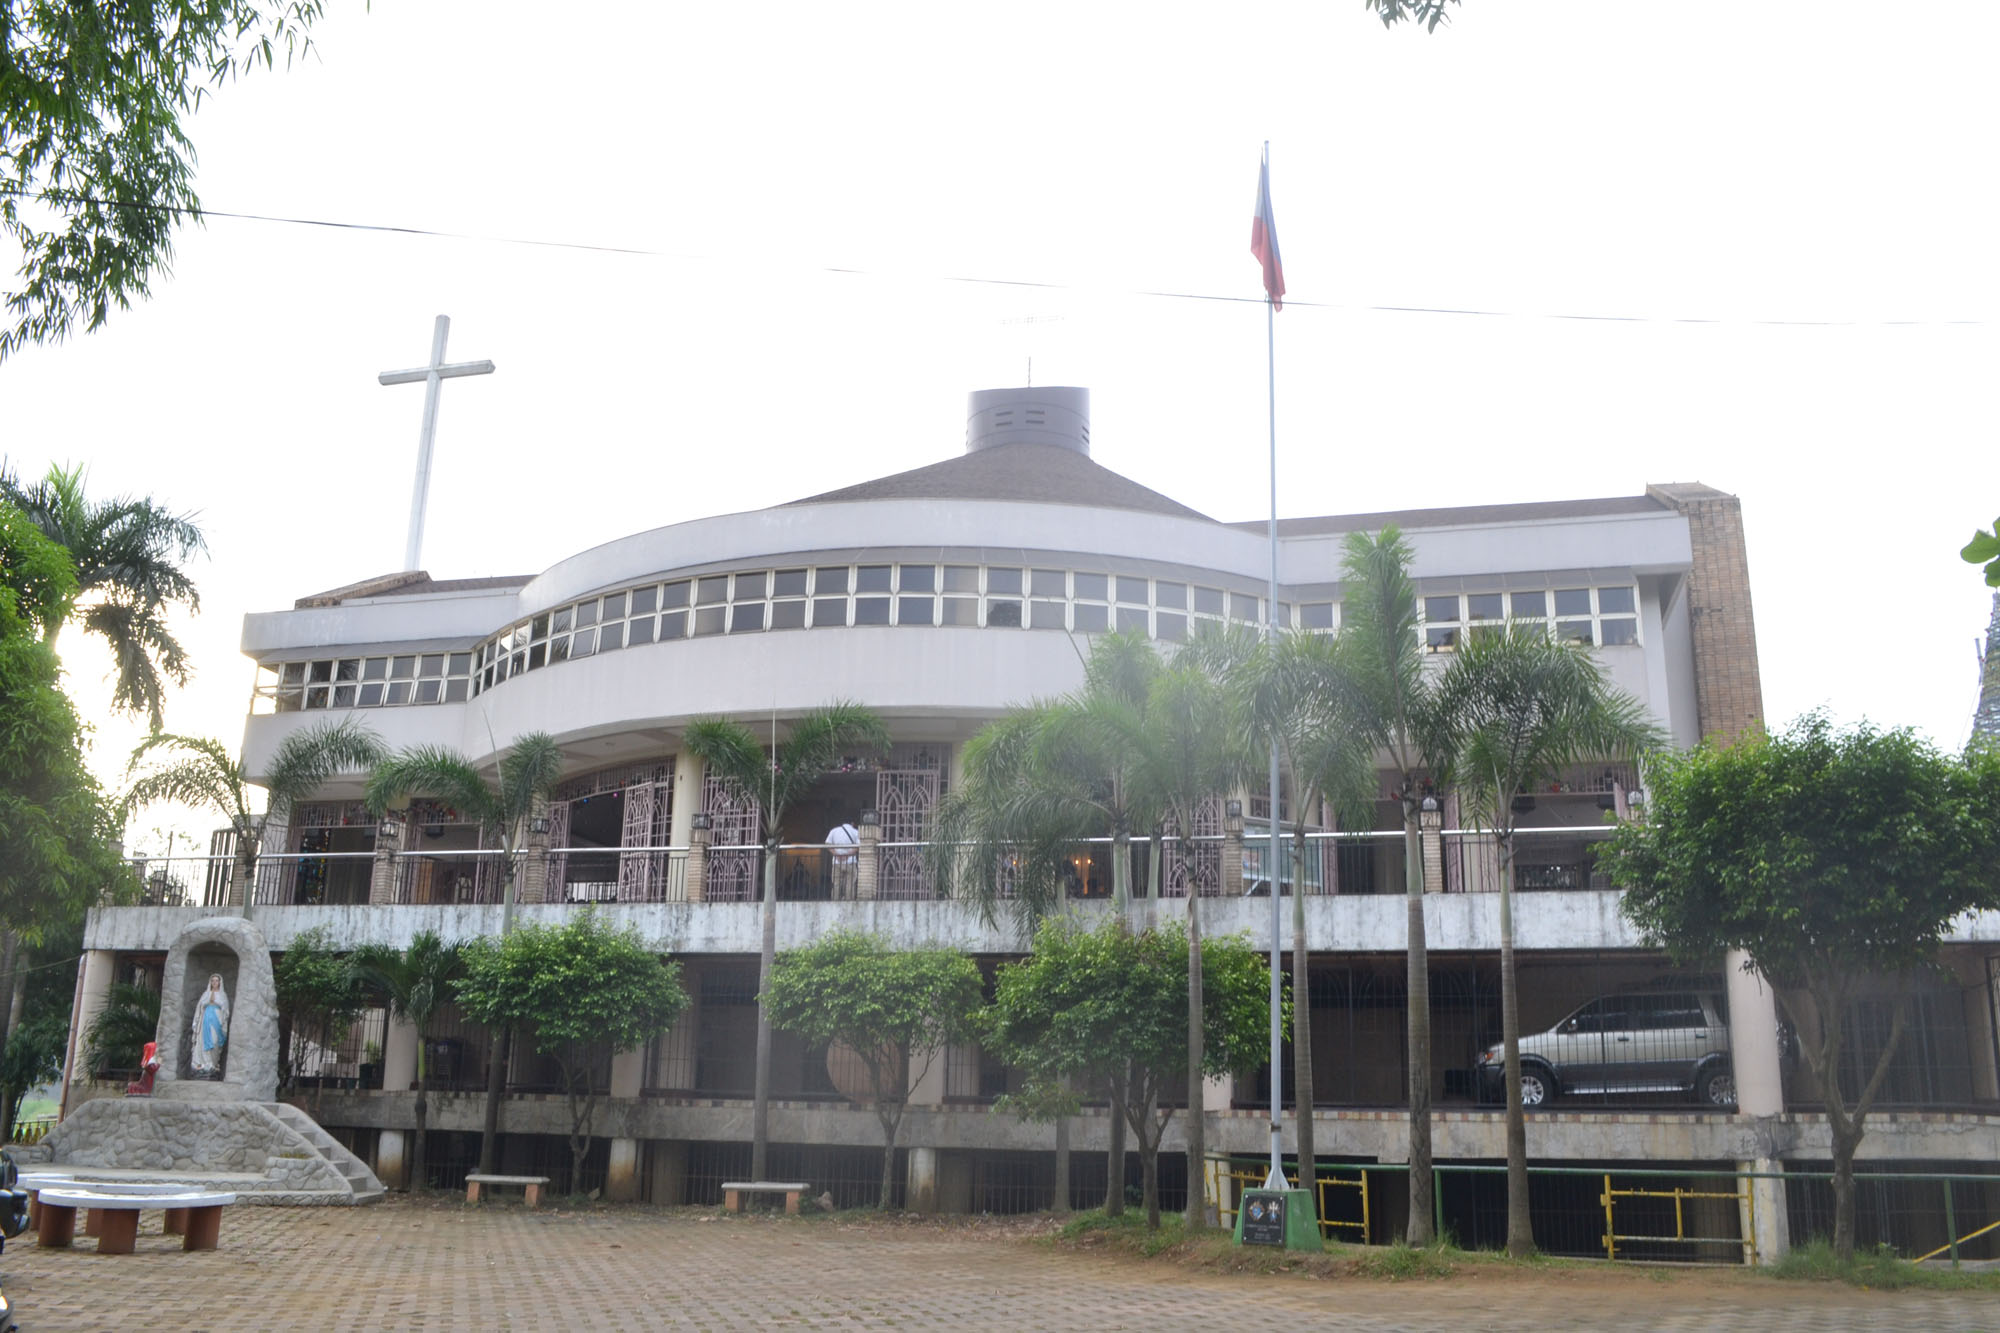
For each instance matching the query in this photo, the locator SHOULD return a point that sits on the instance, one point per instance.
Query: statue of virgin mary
(210, 1030)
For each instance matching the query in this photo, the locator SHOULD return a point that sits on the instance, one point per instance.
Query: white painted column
(920, 1192)
(399, 1074)
(93, 989)
(687, 798)
(1760, 1094)
(621, 1177)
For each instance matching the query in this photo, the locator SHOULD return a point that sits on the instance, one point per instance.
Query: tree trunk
(496, 1088)
(1844, 1146)
(1197, 1145)
(760, 1107)
(1114, 1157)
(10, 972)
(1520, 1223)
(417, 1179)
(886, 1197)
(1121, 869)
(1417, 984)
(10, 1102)
(1060, 1203)
(1149, 1180)
(1302, 1056)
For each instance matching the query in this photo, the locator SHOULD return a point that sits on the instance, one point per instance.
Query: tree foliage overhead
(1427, 13)
(96, 170)
(895, 1009)
(318, 994)
(813, 743)
(415, 983)
(1984, 549)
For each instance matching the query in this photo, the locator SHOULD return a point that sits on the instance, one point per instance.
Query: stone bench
(195, 1216)
(734, 1193)
(531, 1186)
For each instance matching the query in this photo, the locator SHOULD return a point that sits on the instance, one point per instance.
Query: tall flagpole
(1276, 1179)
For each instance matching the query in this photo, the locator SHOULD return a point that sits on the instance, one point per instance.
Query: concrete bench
(735, 1192)
(531, 1186)
(193, 1215)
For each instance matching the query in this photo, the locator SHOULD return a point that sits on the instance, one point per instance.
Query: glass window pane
(1131, 618)
(343, 696)
(1614, 600)
(1316, 615)
(829, 611)
(371, 695)
(645, 600)
(1242, 606)
(586, 613)
(959, 611)
(1576, 631)
(560, 622)
(518, 663)
(583, 643)
(1440, 640)
(541, 627)
(1440, 608)
(316, 697)
(460, 663)
(295, 673)
(1573, 601)
(1483, 606)
(1208, 601)
(1003, 615)
(711, 590)
(375, 668)
(1003, 580)
(914, 610)
(1531, 605)
(348, 668)
(788, 615)
(918, 578)
(399, 691)
(537, 655)
(750, 586)
(611, 638)
(427, 691)
(559, 648)
(639, 630)
(871, 610)
(673, 625)
(1049, 583)
(674, 595)
(1093, 587)
(614, 606)
(1170, 595)
(871, 578)
(746, 616)
(961, 578)
(1091, 618)
(709, 620)
(454, 691)
(1620, 631)
(1048, 615)
(1172, 625)
(1131, 589)
(788, 583)
(830, 578)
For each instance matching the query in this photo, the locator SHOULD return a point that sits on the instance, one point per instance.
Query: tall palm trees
(416, 983)
(812, 744)
(502, 806)
(128, 555)
(1515, 707)
(197, 771)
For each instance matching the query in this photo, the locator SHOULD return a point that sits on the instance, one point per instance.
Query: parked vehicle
(1642, 1041)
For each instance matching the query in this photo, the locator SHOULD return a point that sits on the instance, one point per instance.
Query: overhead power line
(590, 247)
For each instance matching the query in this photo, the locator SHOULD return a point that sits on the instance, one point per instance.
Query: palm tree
(198, 771)
(1393, 704)
(1519, 707)
(1295, 695)
(812, 745)
(416, 982)
(1197, 750)
(526, 777)
(128, 555)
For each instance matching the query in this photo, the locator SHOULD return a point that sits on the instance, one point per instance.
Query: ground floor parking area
(437, 1265)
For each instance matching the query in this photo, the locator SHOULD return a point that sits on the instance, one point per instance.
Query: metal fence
(32, 1129)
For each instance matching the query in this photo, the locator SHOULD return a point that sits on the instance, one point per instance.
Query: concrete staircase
(363, 1182)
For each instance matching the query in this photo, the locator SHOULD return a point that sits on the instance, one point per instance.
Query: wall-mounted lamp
(390, 828)
(1431, 806)
(1232, 809)
(539, 826)
(701, 822)
(870, 818)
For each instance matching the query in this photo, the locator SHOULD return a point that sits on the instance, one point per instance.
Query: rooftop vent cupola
(1056, 416)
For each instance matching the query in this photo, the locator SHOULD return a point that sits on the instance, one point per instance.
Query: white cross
(432, 376)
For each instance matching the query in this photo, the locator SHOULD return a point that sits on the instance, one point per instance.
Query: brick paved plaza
(440, 1266)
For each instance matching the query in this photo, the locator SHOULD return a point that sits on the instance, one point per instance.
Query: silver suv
(1643, 1041)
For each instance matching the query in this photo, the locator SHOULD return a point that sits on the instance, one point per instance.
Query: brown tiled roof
(410, 583)
(1037, 473)
(1461, 515)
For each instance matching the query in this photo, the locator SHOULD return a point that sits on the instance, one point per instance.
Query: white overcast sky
(1791, 208)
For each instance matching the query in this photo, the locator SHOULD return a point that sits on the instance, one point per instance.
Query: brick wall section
(1729, 693)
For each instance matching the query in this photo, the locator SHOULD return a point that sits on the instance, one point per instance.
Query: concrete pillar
(391, 1160)
(697, 866)
(868, 861)
(920, 1190)
(621, 1177)
(1760, 1095)
(399, 1056)
(1430, 838)
(93, 989)
(688, 775)
(666, 1173)
(1232, 849)
(382, 871)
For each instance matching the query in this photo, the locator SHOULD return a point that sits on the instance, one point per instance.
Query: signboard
(1263, 1218)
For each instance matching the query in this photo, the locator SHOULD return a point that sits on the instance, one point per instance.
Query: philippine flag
(1264, 240)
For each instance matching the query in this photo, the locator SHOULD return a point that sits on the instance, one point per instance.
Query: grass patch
(1879, 1269)
(1404, 1263)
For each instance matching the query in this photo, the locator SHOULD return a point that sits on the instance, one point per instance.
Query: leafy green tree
(318, 997)
(895, 1009)
(772, 782)
(1984, 549)
(199, 772)
(502, 807)
(1429, 13)
(95, 169)
(1197, 750)
(415, 983)
(1295, 694)
(128, 556)
(1520, 707)
(118, 1035)
(1831, 859)
(583, 990)
(36, 1047)
(1105, 1011)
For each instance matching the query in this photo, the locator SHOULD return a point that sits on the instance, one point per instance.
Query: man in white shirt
(841, 840)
